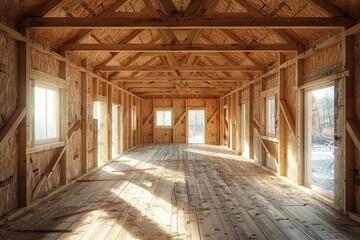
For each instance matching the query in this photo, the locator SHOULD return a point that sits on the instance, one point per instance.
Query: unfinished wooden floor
(181, 192)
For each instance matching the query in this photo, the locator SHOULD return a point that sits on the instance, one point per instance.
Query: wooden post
(121, 122)
(251, 131)
(64, 173)
(238, 125)
(262, 122)
(96, 143)
(300, 123)
(221, 123)
(348, 59)
(110, 123)
(139, 126)
(230, 122)
(24, 193)
(84, 118)
(281, 119)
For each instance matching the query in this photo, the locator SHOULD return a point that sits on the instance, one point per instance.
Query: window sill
(44, 147)
(270, 139)
(164, 127)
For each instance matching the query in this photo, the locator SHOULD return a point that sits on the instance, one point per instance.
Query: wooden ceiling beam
(277, 47)
(185, 79)
(178, 68)
(188, 23)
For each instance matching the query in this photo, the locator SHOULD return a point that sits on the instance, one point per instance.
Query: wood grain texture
(187, 192)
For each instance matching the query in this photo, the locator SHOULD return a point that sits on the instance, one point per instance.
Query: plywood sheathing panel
(179, 108)
(147, 110)
(328, 59)
(54, 36)
(43, 62)
(196, 103)
(212, 127)
(8, 99)
(271, 82)
(290, 94)
(307, 36)
(74, 114)
(14, 10)
(38, 165)
(357, 119)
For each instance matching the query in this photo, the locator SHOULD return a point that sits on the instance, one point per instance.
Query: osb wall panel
(43, 62)
(357, 116)
(147, 109)
(196, 103)
(8, 96)
(324, 62)
(291, 149)
(271, 82)
(74, 114)
(271, 162)
(163, 135)
(38, 164)
(212, 127)
(179, 107)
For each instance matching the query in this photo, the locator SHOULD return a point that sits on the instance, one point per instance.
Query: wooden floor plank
(182, 191)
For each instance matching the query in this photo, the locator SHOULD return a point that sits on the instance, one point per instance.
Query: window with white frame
(46, 124)
(164, 118)
(271, 116)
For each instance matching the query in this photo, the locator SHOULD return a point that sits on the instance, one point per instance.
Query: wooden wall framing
(178, 132)
(41, 170)
(332, 61)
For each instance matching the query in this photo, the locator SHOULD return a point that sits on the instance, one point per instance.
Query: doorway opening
(101, 120)
(116, 131)
(319, 139)
(244, 143)
(196, 126)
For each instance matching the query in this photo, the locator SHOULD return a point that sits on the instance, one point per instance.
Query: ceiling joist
(178, 68)
(166, 79)
(277, 47)
(188, 23)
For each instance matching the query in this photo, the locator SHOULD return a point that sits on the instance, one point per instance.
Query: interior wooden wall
(178, 133)
(8, 100)
(313, 69)
(82, 89)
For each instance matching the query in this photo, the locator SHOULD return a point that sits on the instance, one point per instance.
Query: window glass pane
(167, 119)
(52, 114)
(163, 118)
(270, 115)
(159, 118)
(40, 113)
(46, 114)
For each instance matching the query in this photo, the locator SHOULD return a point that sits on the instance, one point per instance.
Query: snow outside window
(163, 118)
